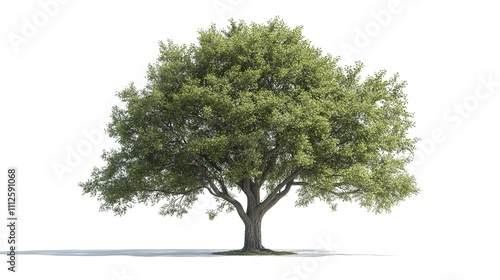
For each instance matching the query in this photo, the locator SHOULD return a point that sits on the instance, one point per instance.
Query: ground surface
(202, 264)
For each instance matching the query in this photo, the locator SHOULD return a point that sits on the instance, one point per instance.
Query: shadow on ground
(176, 253)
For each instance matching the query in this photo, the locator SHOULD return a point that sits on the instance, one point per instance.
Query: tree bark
(253, 234)
(256, 209)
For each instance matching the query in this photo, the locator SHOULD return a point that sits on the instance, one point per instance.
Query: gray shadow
(176, 253)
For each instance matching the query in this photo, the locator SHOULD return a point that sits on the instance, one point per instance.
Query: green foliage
(256, 103)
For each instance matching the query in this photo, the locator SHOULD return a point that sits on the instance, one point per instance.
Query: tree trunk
(253, 237)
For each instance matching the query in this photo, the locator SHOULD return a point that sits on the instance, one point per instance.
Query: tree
(255, 109)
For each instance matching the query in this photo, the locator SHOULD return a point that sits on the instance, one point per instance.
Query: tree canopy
(256, 109)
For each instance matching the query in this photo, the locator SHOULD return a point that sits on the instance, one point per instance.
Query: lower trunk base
(265, 252)
(254, 250)
(253, 247)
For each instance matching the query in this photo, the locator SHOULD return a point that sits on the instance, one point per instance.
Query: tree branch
(205, 177)
(265, 166)
(278, 188)
(236, 204)
(211, 163)
(229, 160)
(277, 198)
(268, 155)
(210, 191)
(224, 194)
(186, 192)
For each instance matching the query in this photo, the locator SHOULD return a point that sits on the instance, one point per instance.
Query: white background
(62, 63)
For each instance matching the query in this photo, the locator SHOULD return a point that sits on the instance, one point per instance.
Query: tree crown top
(256, 107)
